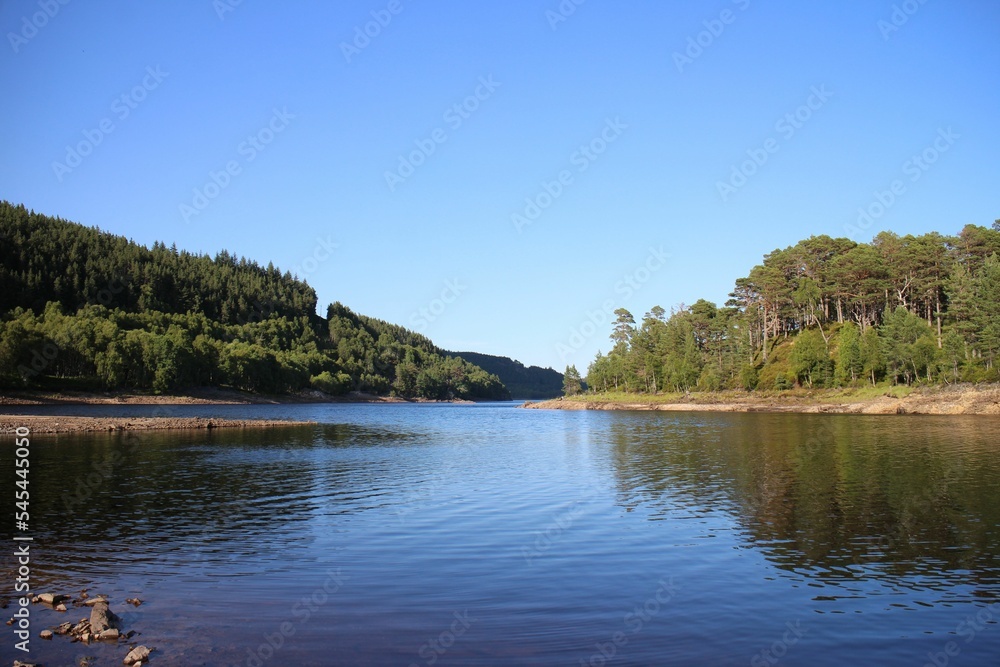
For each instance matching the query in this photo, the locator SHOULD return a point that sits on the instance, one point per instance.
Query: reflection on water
(909, 502)
(531, 537)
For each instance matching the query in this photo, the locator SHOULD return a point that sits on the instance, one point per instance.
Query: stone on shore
(138, 654)
(102, 618)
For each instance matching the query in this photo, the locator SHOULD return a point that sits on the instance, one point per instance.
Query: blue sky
(666, 146)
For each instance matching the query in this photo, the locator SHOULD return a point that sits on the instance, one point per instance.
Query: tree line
(826, 312)
(83, 308)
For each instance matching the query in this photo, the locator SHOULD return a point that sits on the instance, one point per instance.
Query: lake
(436, 534)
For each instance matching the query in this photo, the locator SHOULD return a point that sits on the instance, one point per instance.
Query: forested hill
(827, 312)
(523, 382)
(47, 259)
(83, 308)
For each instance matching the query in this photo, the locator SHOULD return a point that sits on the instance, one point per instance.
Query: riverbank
(195, 396)
(63, 424)
(948, 400)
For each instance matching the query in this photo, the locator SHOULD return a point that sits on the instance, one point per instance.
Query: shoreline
(953, 400)
(196, 396)
(39, 424)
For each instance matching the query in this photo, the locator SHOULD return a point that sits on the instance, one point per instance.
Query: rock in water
(45, 634)
(138, 654)
(102, 618)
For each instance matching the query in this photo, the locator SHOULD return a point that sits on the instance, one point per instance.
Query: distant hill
(83, 308)
(522, 381)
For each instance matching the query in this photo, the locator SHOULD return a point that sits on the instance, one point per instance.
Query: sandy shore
(958, 400)
(62, 424)
(197, 396)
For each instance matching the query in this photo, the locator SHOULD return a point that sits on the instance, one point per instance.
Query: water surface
(486, 535)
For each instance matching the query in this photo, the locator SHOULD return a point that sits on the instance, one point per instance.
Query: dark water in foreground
(484, 535)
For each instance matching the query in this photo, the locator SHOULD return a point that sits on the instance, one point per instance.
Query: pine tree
(572, 383)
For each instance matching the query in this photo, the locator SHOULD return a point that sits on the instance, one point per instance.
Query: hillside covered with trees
(86, 309)
(826, 312)
(523, 381)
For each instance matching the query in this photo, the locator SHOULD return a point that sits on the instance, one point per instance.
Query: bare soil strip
(61, 424)
(964, 400)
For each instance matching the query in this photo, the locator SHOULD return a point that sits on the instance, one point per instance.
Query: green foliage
(709, 379)
(850, 363)
(907, 345)
(809, 357)
(523, 382)
(872, 362)
(902, 308)
(572, 383)
(124, 316)
(749, 377)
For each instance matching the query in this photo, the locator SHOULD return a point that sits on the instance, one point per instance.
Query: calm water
(486, 535)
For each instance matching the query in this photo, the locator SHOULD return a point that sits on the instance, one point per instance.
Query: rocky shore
(62, 424)
(954, 400)
(99, 625)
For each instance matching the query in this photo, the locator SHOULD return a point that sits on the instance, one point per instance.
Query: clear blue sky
(199, 79)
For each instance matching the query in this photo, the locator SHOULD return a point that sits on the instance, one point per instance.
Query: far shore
(194, 396)
(63, 424)
(199, 396)
(947, 400)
